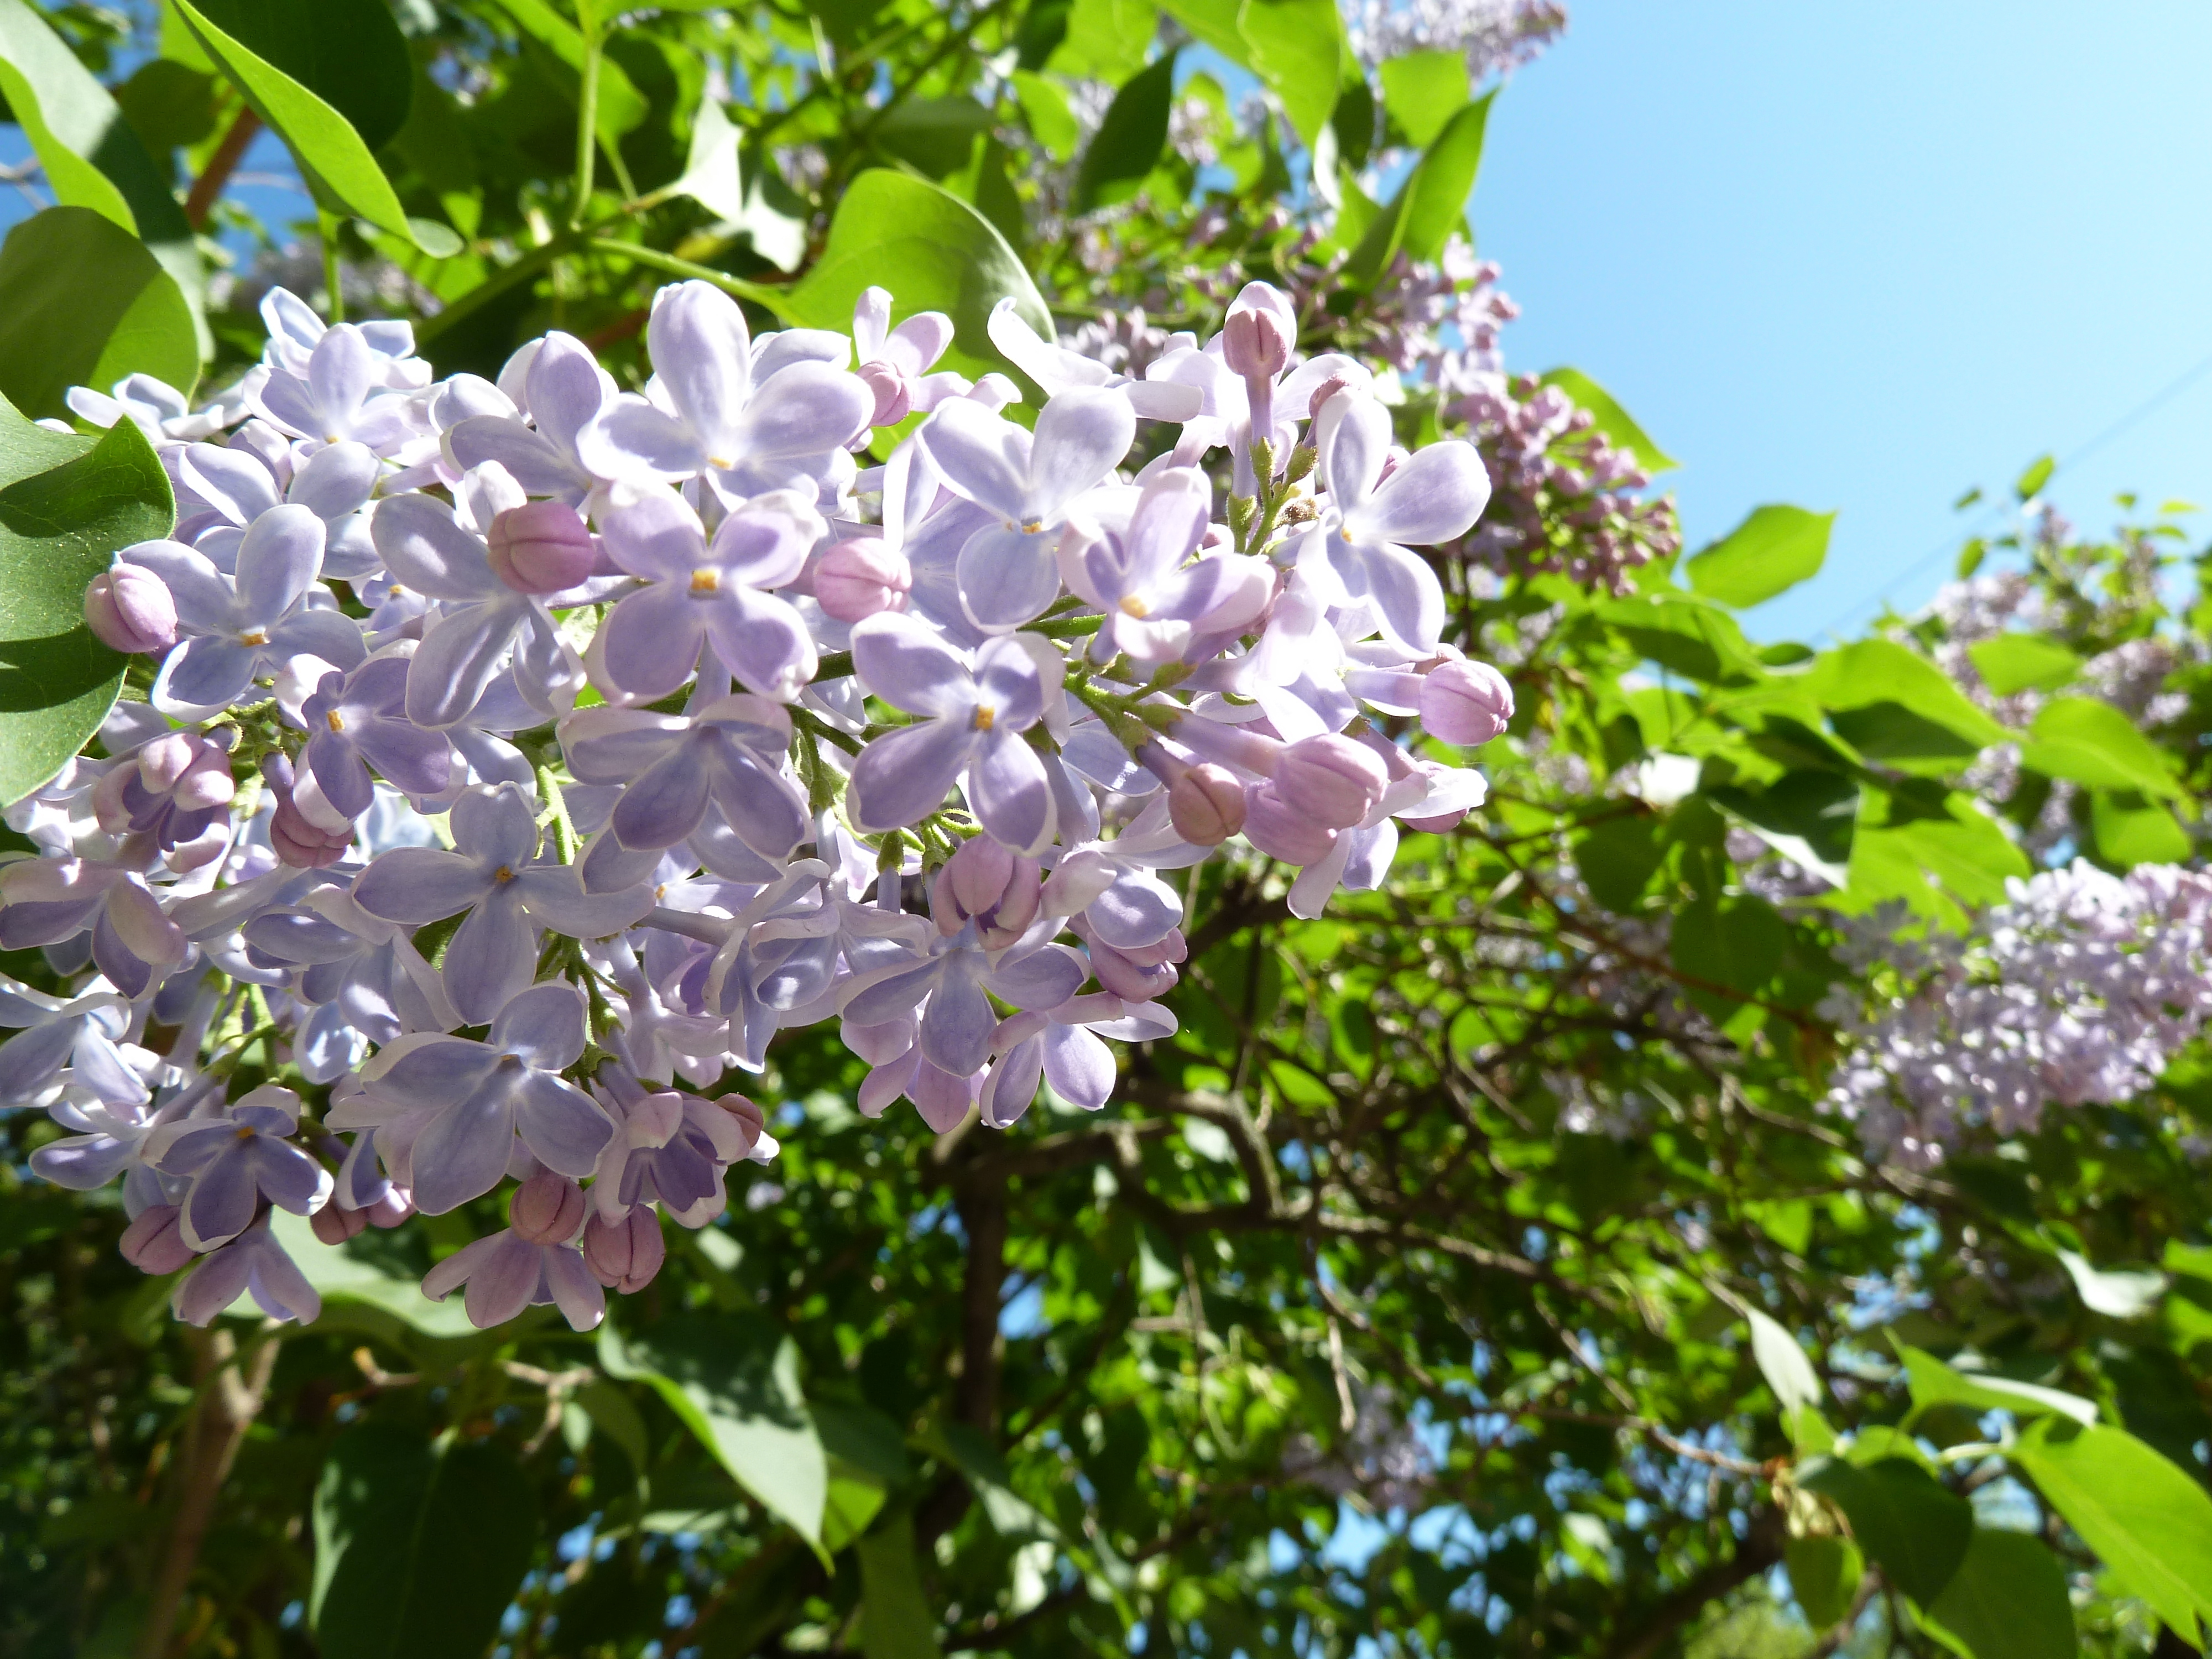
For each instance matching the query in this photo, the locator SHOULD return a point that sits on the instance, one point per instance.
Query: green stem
(588, 115)
(564, 832)
(653, 259)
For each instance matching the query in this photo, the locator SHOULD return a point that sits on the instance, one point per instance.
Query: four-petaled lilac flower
(958, 1024)
(564, 388)
(240, 485)
(1008, 572)
(1063, 1047)
(471, 1101)
(1141, 576)
(240, 627)
(493, 876)
(974, 719)
(45, 901)
(728, 751)
(1361, 549)
(234, 1161)
(701, 591)
(534, 1262)
(752, 419)
(355, 720)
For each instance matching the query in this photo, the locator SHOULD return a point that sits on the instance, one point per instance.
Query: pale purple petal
(629, 438)
(232, 481)
(554, 896)
(1007, 788)
(958, 1025)
(1007, 577)
(464, 1151)
(1435, 496)
(1353, 450)
(223, 1200)
(544, 1024)
(490, 957)
(415, 884)
(530, 459)
(983, 458)
(566, 388)
(1405, 590)
(809, 409)
(1008, 685)
(650, 643)
(337, 480)
(905, 663)
(651, 533)
(759, 638)
(1081, 437)
(1079, 1067)
(559, 1122)
(460, 658)
(498, 826)
(1139, 909)
(425, 549)
(501, 1283)
(702, 355)
(1043, 978)
(204, 672)
(664, 804)
(902, 777)
(580, 1298)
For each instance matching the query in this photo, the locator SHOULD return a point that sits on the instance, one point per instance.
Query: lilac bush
(522, 755)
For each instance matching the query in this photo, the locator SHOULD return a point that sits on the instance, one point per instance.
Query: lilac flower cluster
(524, 755)
(1495, 36)
(2079, 989)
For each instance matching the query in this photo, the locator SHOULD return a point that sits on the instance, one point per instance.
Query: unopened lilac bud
(129, 608)
(1283, 831)
(395, 1208)
(1466, 703)
(894, 397)
(752, 1122)
(1334, 780)
(985, 884)
(546, 1209)
(855, 580)
(624, 1255)
(540, 547)
(154, 1243)
(1206, 805)
(1254, 344)
(334, 1224)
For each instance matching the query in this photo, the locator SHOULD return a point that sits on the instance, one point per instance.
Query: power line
(2141, 412)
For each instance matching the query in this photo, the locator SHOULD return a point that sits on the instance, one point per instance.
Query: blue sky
(1864, 256)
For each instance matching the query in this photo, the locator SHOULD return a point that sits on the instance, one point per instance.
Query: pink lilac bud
(1253, 344)
(1440, 825)
(624, 1255)
(297, 841)
(540, 547)
(752, 1122)
(334, 1224)
(985, 884)
(546, 1209)
(855, 580)
(894, 397)
(1206, 805)
(129, 608)
(1333, 779)
(1466, 703)
(154, 1243)
(1281, 831)
(395, 1208)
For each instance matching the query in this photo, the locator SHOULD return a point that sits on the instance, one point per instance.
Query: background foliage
(1447, 1286)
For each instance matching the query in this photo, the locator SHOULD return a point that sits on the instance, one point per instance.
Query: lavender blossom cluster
(524, 755)
(2079, 989)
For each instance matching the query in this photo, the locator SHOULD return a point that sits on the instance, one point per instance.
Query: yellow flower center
(503, 875)
(253, 636)
(336, 723)
(1133, 606)
(705, 581)
(985, 715)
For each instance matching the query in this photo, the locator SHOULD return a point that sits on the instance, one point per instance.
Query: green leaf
(349, 54)
(733, 1380)
(1874, 672)
(933, 251)
(1422, 90)
(2008, 1600)
(419, 1545)
(1736, 942)
(1685, 635)
(2122, 1293)
(1213, 22)
(896, 1619)
(1911, 1527)
(2023, 662)
(1824, 1576)
(1929, 847)
(2094, 743)
(1773, 549)
(2030, 483)
(1783, 1363)
(970, 1451)
(868, 1462)
(1934, 1383)
(1807, 815)
(2149, 1521)
(71, 120)
(1607, 418)
(330, 152)
(710, 175)
(168, 105)
(1296, 48)
(2129, 830)
(62, 516)
(1106, 39)
(1051, 117)
(1127, 144)
(935, 135)
(1432, 202)
(84, 302)
(354, 1279)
